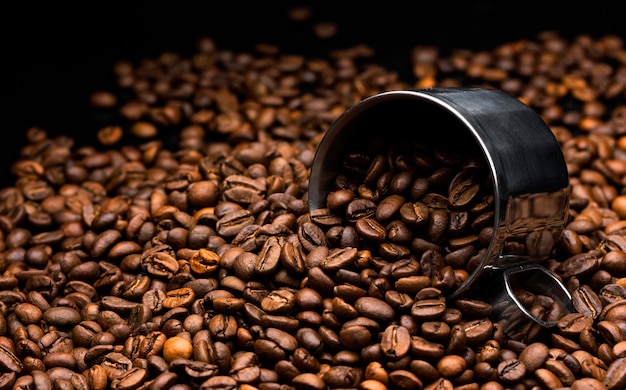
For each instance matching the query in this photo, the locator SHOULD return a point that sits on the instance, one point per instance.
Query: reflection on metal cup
(525, 162)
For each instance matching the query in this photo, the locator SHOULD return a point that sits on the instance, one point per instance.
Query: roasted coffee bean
(574, 323)
(311, 236)
(478, 331)
(232, 223)
(586, 301)
(579, 265)
(396, 341)
(388, 207)
(360, 208)
(428, 309)
(278, 302)
(587, 383)
(62, 316)
(374, 308)
(414, 214)
(511, 370)
(269, 256)
(547, 378)
(610, 332)
(9, 361)
(426, 349)
(339, 259)
(472, 308)
(160, 261)
(534, 355)
(220, 382)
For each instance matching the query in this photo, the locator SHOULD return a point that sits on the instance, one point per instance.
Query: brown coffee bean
(355, 337)
(309, 380)
(463, 193)
(370, 229)
(396, 342)
(9, 361)
(574, 323)
(388, 206)
(579, 265)
(426, 349)
(339, 199)
(548, 379)
(204, 262)
(586, 301)
(360, 208)
(311, 236)
(325, 218)
(374, 308)
(534, 355)
(28, 313)
(613, 262)
(473, 308)
(278, 302)
(587, 383)
(428, 309)
(221, 382)
(160, 261)
(339, 259)
(62, 316)
(337, 376)
(404, 379)
(616, 374)
(511, 370)
(610, 332)
(478, 331)
(561, 371)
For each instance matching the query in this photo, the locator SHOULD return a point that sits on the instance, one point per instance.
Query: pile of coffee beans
(425, 200)
(179, 251)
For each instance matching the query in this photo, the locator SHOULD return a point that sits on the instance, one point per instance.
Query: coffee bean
(426, 349)
(547, 378)
(62, 316)
(9, 361)
(159, 261)
(587, 383)
(574, 323)
(374, 308)
(311, 236)
(561, 371)
(611, 292)
(428, 309)
(309, 380)
(339, 259)
(220, 382)
(534, 355)
(342, 376)
(585, 301)
(511, 370)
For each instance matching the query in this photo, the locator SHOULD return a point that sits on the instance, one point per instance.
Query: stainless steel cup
(524, 159)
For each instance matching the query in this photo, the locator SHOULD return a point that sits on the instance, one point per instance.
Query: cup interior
(522, 160)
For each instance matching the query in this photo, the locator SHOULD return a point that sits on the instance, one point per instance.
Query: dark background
(54, 55)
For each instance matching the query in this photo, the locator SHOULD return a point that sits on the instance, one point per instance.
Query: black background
(54, 55)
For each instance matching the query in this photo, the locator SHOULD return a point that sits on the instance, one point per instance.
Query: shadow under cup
(524, 161)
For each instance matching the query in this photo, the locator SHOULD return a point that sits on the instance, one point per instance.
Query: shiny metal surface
(525, 161)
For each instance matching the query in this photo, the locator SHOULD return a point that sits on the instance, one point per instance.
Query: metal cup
(527, 168)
